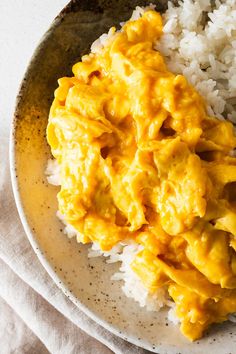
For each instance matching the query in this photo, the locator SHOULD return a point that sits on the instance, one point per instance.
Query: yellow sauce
(141, 159)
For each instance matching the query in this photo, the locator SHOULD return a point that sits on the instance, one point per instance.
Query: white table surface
(22, 24)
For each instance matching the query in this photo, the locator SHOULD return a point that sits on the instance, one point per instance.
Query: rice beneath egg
(198, 41)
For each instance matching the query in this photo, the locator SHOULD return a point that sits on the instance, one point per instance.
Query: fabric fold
(28, 289)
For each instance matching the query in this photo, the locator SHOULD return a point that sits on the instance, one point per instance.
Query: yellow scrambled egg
(141, 159)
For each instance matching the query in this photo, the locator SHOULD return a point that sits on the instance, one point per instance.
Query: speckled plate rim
(29, 232)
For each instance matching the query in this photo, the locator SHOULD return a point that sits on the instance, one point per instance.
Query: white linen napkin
(35, 315)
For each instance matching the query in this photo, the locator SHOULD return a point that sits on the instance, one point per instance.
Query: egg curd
(140, 159)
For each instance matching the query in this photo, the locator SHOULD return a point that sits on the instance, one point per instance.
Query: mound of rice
(199, 41)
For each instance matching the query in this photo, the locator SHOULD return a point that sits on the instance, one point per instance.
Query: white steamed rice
(204, 51)
(199, 41)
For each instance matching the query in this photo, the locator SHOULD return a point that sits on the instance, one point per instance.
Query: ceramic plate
(86, 282)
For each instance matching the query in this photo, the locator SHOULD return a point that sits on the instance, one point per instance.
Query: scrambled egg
(141, 159)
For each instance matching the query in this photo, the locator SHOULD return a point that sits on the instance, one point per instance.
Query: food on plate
(147, 171)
